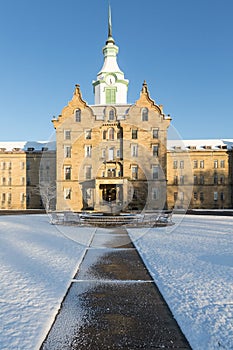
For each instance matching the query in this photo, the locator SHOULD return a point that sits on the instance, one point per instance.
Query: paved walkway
(113, 303)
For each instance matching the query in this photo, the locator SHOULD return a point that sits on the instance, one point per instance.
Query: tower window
(155, 150)
(88, 150)
(145, 114)
(67, 134)
(78, 115)
(88, 134)
(110, 95)
(134, 150)
(68, 173)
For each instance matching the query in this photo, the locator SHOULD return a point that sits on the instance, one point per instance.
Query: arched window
(111, 114)
(104, 134)
(78, 115)
(111, 134)
(144, 114)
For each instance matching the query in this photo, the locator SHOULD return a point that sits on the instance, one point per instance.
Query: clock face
(110, 79)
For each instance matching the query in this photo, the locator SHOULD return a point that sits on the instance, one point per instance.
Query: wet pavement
(113, 303)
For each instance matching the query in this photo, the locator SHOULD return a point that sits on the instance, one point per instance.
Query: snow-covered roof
(9, 146)
(212, 144)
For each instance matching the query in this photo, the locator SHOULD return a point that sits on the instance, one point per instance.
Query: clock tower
(110, 87)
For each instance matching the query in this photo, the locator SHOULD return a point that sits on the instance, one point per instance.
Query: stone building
(21, 166)
(111, 156)
(200, 174)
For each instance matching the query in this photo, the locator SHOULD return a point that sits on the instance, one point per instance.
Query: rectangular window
(110, 95)
(67, 193)
(155, 150)
(9, 165)
(155, 172)
(195, 182)
(175, 164)
(3, 165)
(3, 197)
(181, 164)
(215, 179)
(222, 164)
(175, 196)
(67, 134)
(88, 134)
(155, 133)
(155, 193)
(88, 172)
(134, 172)
(134, 150)
(175, 180)
(134, 134)
(195, 196)
(202, 164)
(222, 179)
(201, 196)
(215, 164)
(202, 180)
(181, 196)
(222, 197)
(22, 165)
(182, 180)
(28, 165)
(9, 197)
(118, 152)
(111, 153)
(22, 181)
(9, 181)
(78, 115)
(215, 196)
(67, 151)
(103, 153)
(3, 181)
(67, 173)
(195, 164)
(88, 151)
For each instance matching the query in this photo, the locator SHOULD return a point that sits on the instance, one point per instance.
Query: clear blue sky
(183, 48)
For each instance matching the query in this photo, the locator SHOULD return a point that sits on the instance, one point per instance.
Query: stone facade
(200, 174)
(20, 169)
(111, 157)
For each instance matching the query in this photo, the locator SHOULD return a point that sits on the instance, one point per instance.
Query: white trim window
(88, 149)
(67, 151)
(88, 172)
(67, 172)
(88, 134)
(67, 134)
(78, 115)
(155, 150)
(134, 150)
(67, 193)
(155, 172)
(134, 172)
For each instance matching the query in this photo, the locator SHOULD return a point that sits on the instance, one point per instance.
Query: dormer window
(144, 114)
(78, 115)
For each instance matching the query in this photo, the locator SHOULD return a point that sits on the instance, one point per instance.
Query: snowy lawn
(37, 263)
(192, 264)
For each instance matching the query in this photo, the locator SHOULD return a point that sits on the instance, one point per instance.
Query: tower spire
(111, 86)
(109, 21)
(110, 38)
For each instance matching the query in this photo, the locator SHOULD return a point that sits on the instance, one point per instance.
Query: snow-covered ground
(192, 263)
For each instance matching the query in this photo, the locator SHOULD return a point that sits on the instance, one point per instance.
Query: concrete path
(113, 303)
